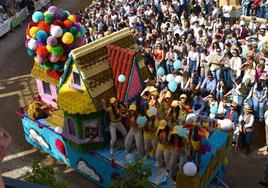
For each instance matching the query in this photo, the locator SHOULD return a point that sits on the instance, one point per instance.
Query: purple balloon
(59, 16)
(79, 41)
(53, 9)
(41, 59)
(26, 42)
(77, 25)
(52, 41)
(39, 43)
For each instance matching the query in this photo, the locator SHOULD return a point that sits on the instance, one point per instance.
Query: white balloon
(192, 117)
(56, 31)
(153, 111)
(178, 79)
(170, 77)
(189, 169)
(226, 125)
(58, 130)
(32, 44)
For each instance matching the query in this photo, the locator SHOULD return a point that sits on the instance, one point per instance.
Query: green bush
(44, 175)
(135, 175)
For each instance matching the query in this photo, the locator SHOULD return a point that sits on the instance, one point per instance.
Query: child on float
(115, 121)
(178, 152)
(173, 114)
(163, 148)
(135, 132)
(149, 130)
(165, 101)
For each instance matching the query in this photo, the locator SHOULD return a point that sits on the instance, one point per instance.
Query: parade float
(67, 120)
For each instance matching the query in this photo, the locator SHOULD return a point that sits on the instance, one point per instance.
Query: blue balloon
(141, 120)
(213, 110)
(160, 71)
(177, 64)
(38, 16)
(41, 36)
(172, 86)
(121, 78)
(30, 52)
(182, 132)
(73, 30)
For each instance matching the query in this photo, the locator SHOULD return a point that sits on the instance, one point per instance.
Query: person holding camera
(246, 120)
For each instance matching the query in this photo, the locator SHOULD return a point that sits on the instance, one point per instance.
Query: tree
(44, 175)
(135, 175)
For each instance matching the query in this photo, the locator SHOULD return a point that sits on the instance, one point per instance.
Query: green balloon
(57, 50)
(49, 18)
(48, 66)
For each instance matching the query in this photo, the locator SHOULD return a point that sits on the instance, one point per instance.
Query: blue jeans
(245, 9)
(170, 68)
(228, 76)
(219, 95)
(258, 107)
(261, 12)
(192, 66)
(217, 74)
(266, 13)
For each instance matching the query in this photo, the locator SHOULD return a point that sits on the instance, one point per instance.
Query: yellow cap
(133, 107)
(113, 100)
(183, 96)
(152, 89)
(168, 94)
(175, 103)
(155, 93)
(162, 124)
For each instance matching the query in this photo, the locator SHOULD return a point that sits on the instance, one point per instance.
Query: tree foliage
(43, 175)
(135, 175)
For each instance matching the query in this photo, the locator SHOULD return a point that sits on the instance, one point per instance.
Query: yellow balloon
(67, 38)
(33, 31)
(71, 18)
(48, 47)
(35, 59)
(45, 13)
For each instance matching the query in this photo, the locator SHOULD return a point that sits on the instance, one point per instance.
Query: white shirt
(235, 64)
(227, 8)
(266, 117)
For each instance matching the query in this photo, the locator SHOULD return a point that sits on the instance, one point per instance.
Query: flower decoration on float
(51, 35)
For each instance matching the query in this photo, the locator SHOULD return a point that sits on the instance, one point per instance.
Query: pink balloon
(53, 58)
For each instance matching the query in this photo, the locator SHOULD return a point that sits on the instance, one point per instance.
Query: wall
(47, 98)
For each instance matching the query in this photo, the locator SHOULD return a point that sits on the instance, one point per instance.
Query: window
(76, 78)
(91, 131)
(46, 88)
(71, 126)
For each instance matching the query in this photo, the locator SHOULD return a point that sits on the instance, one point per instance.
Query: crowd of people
(222, 67)
(255, 8)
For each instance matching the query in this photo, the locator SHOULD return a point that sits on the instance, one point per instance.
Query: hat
(155, 93)
(183, 96)
(175, 103)
(133, 107)
(113, 100)
(247, 108)
(152, 89)
(168, 94)
(162, 124)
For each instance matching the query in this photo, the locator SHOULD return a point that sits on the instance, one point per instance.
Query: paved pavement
(17, 88)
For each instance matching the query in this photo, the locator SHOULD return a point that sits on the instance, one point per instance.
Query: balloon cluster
(172, 80)
(51, 36)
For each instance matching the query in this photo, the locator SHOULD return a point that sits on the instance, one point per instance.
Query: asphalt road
(17, 88)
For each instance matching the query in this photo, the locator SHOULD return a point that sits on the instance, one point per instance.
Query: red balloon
(31, 24)
(57, 22)
(67, 24)
(43, 26)
(63, 58)
(42, 51)
(28, 32)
